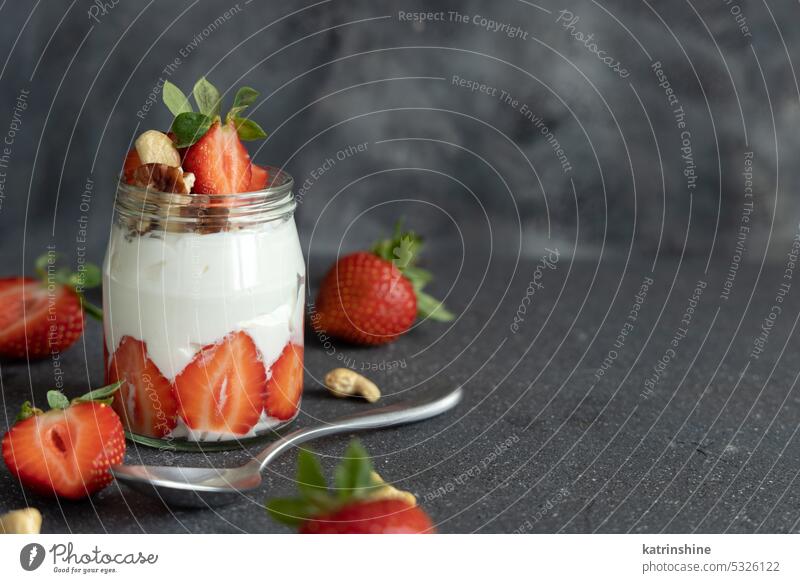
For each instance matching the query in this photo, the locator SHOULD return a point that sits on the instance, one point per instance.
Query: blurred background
(611, 127)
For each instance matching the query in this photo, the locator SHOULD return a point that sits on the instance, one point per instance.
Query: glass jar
(203, 301)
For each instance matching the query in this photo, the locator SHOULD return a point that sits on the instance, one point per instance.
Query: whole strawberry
(361, 503)
(68, 450)
(45, 316)
(373, 297)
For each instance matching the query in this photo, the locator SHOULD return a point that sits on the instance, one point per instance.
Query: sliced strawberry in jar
(219, 161)
(258, 178)
(145, 403)
(222, 388)
(285, 385)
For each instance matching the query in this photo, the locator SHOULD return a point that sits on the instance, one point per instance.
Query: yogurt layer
(178, 292)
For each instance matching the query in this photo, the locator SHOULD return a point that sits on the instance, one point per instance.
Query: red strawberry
(258, 178)
(68, 450)
(223, 388)
(372, 517)
(362, 502)
(132, 162)
(35, 321)
(285, 385)
(219, 161)
(365, 300)
(374, 297)
(145, 402)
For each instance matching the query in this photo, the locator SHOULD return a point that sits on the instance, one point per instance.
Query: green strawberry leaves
(58, 400)
(101, 395)
(27, 411)
(189, 126)
(175, 100)
(207, 97)
(353, 474)
(87, 277)
(248, 130)
(403, 250)
(353, 480)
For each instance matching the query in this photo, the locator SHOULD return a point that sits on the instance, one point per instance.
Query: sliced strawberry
(66, 452)
(259, 178)
(145, 402)
(132, 162)
(285, 385)
(36, 321)
(223, 387)
(219, 161)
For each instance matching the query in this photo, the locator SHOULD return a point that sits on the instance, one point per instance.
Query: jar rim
(281, 183)
(209, 212)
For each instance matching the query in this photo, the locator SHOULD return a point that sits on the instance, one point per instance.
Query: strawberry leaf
(354, 474)
(248, 130)
(174, 99)
(89, 277)
(419, 277)
(310, 480)
(245, 97)
(430, 307)
(290, 511)
(189, 127)
(57, 400)
(27, 411)
(207, 97)
(403, 250)
(42, 263)
(101, 395)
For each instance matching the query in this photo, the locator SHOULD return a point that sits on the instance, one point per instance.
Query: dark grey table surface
(686, 429)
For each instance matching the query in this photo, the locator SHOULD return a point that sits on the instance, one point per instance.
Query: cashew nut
(343, 382)
(384, 491)
(156, 147)
(25, 521)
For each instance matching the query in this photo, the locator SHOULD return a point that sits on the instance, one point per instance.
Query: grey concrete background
(338, 73)
(712, 449)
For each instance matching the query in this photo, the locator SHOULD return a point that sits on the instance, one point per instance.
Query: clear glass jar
(203, 300)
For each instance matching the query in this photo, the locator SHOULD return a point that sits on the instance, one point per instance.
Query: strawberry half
(373, 297)
(146, 402)
(285, 385)
(222, 389)
(219, 162)
(258, 178)
(68, 450)
(361, 503)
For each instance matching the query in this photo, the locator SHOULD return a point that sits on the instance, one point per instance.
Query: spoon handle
(397, 414)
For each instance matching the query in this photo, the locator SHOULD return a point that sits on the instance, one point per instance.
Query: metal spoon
(202, 487)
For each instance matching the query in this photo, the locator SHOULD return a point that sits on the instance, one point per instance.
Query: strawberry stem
(88, 276)
(403, 250)
(94, 311)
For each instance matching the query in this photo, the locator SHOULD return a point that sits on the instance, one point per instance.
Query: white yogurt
(179, 292)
